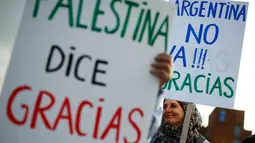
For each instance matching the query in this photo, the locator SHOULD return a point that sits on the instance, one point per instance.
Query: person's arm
(156, 119)
(163, 69)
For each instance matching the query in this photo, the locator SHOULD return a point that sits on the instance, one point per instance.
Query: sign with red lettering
(80, 71)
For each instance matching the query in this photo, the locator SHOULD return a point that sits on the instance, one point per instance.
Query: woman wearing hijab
(171, 128)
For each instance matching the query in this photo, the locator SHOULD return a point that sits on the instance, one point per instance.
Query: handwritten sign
(206, 46)
(80, 71)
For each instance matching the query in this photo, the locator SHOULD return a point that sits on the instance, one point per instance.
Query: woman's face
(173, 113)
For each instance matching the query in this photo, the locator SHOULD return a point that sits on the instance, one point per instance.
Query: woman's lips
(169, 116)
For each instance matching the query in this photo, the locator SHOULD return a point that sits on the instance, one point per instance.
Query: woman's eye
(164, 106)
(174, 106)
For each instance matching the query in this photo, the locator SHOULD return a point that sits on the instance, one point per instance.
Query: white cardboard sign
(80, 71)
(206, 45)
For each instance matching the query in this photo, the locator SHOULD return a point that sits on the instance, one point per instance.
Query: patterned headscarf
(170, 134)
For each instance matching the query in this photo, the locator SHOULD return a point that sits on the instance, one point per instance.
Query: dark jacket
(250, 139)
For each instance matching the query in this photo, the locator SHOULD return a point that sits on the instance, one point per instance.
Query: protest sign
(80, 71)
(206, 46)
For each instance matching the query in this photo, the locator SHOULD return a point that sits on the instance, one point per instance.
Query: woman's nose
(168, 109)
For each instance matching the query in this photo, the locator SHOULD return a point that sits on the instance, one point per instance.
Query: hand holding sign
(163, 68)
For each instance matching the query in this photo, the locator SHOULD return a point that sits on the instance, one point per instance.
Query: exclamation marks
(202, 57)
(194, 59)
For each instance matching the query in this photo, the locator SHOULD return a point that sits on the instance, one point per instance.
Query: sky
(10, 16)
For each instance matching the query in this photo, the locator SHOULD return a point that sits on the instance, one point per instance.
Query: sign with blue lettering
(206, 46)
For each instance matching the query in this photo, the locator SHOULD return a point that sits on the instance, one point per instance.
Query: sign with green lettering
(206, 46)
(80, 71)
